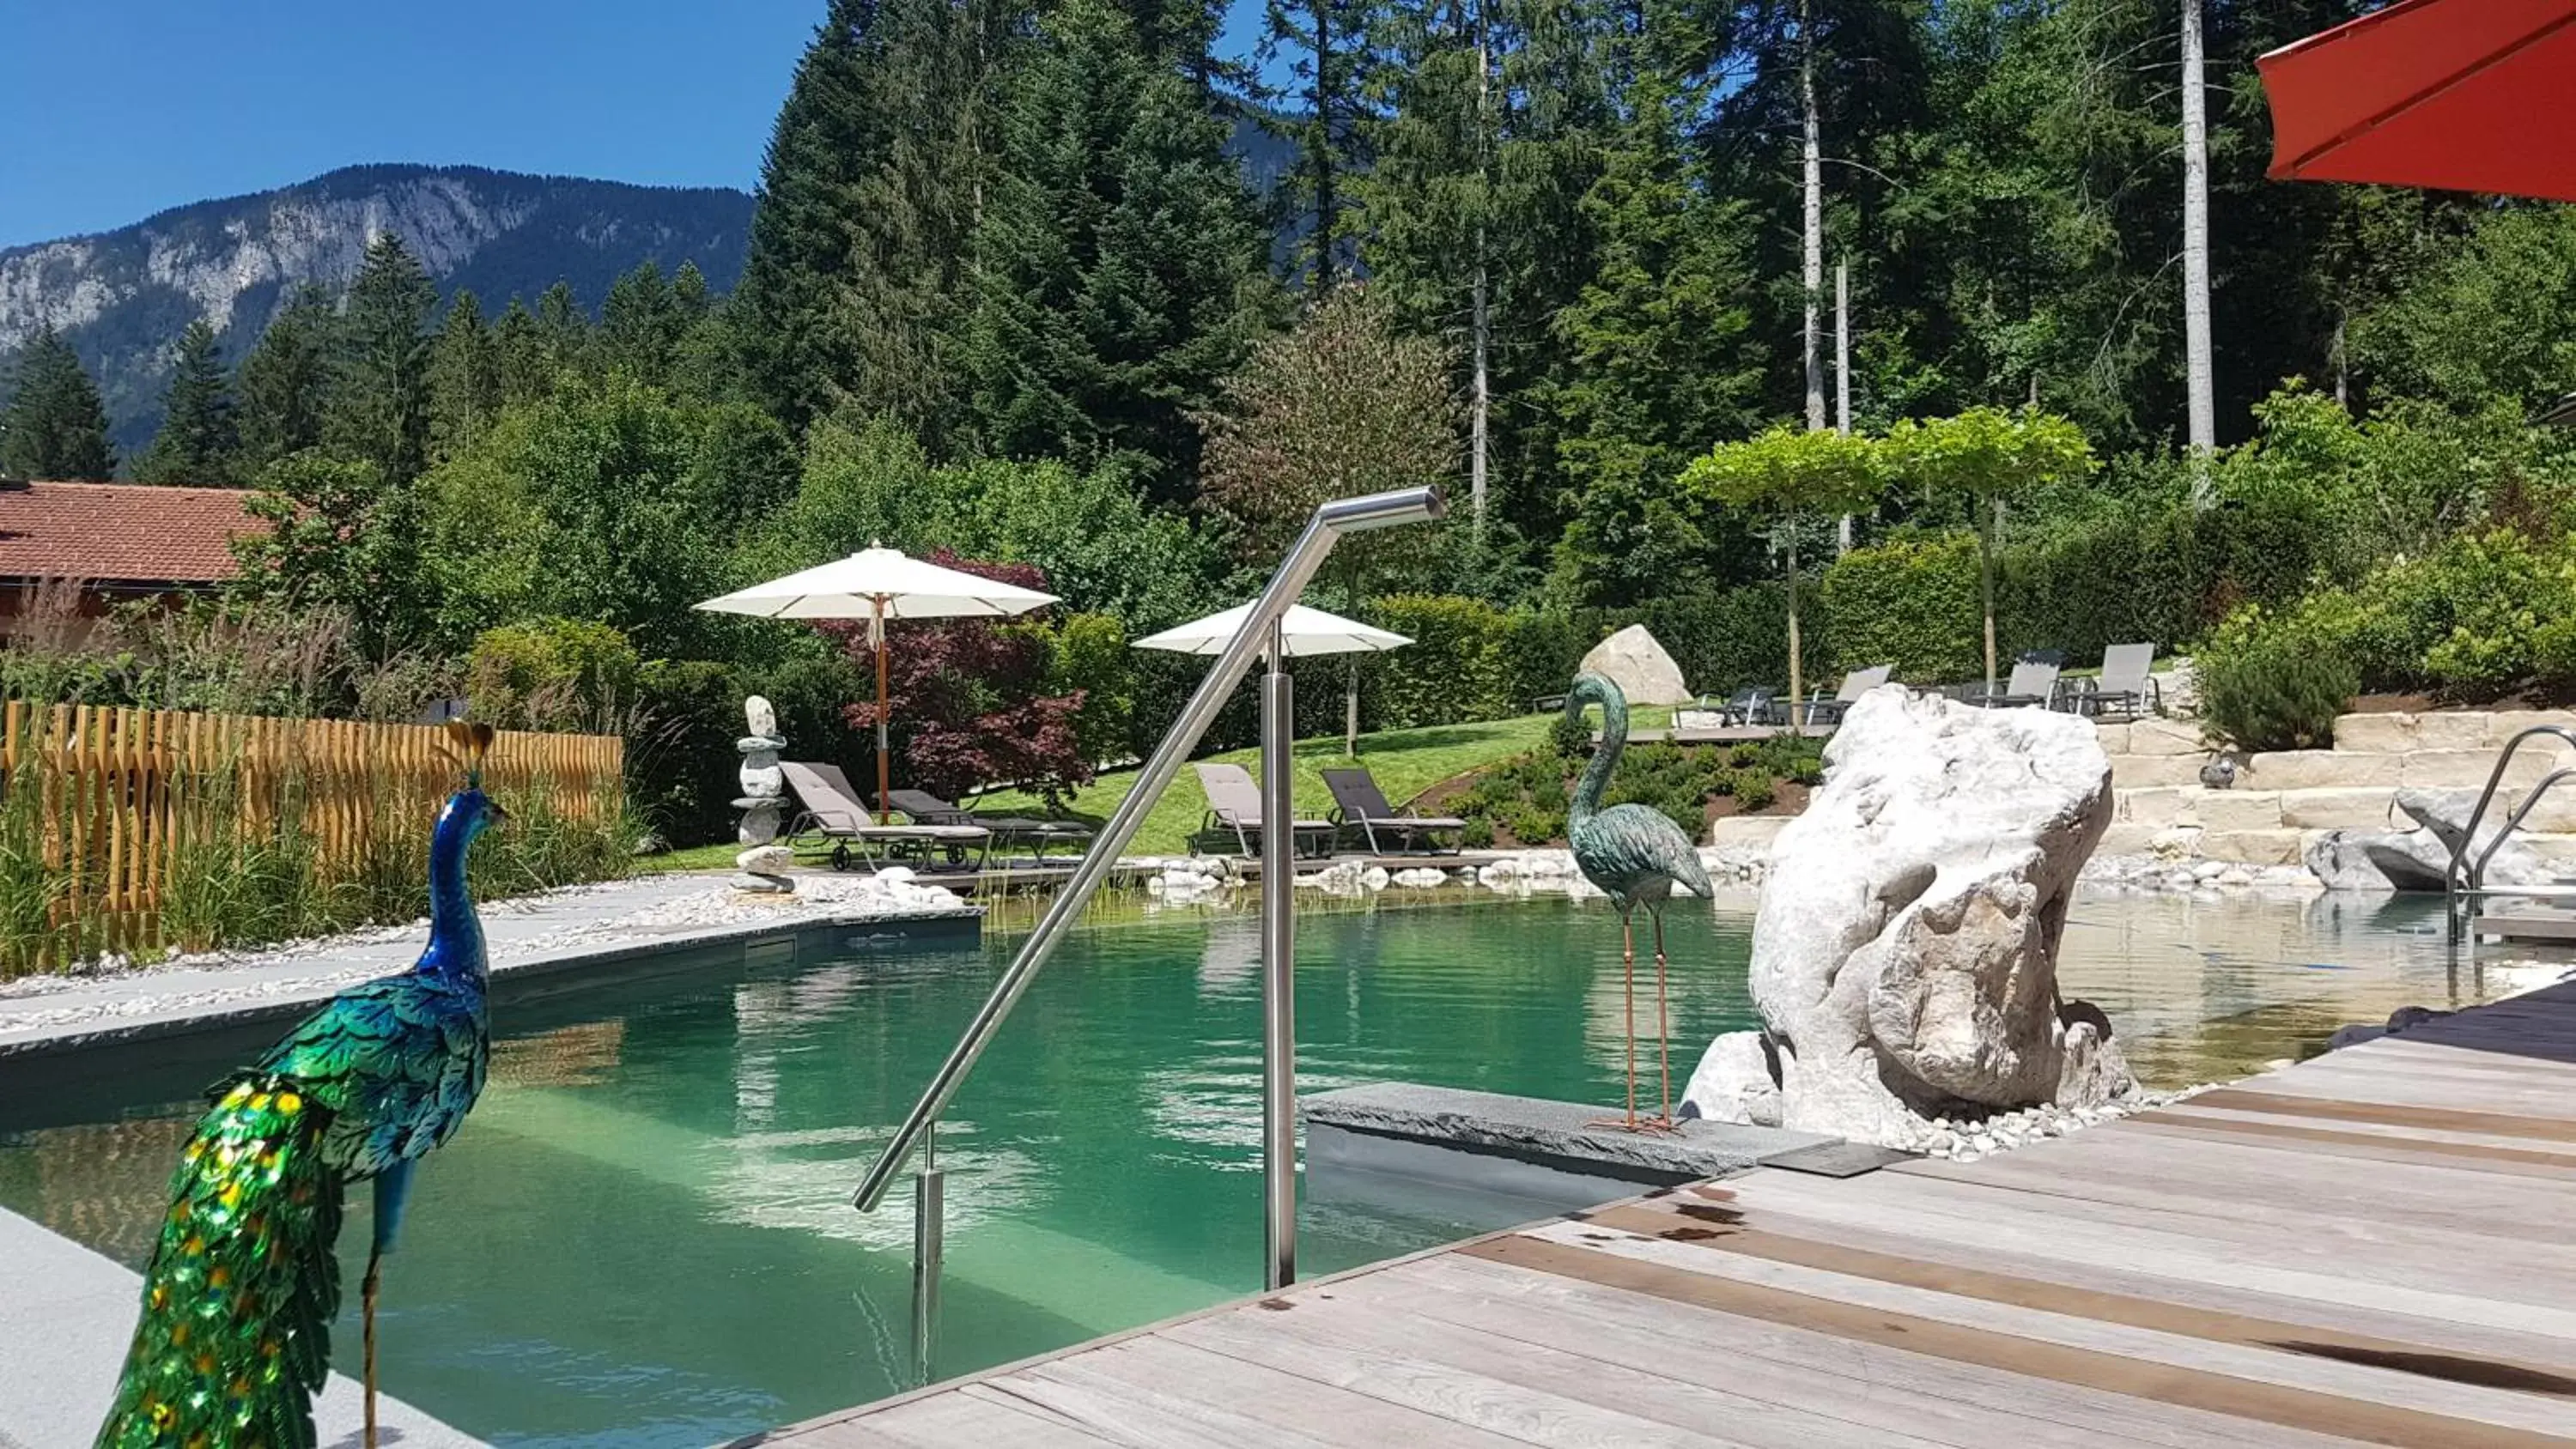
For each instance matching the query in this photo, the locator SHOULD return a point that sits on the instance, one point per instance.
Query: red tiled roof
(120, 532)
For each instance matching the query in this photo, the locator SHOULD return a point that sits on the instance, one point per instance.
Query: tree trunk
(1480, 400)
(1351, 708)
(2195, 256)
(1797, 674)
(1320, 149)
(1986, 530)
(1812, 263)
(1842, 381)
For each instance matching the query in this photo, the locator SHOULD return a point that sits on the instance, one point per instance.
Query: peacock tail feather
(234, 1339)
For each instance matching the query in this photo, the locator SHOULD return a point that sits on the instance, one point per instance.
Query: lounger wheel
(841, 856)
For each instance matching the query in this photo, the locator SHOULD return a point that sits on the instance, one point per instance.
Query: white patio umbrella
(1309, 631)
(878, 584)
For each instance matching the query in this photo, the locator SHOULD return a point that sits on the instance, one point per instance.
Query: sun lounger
(2032, 683)
(1821, 710)
(1751, 705)
(1357, 802)
(1234, 804)
(831, 813)
(923, 808)
(2128, 683)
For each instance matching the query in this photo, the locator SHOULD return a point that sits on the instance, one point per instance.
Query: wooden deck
(2376, 1247)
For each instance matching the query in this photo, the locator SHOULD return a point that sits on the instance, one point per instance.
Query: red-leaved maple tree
(967, 698)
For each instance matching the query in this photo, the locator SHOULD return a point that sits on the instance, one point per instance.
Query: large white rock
(1905, 951)
(1632, 660)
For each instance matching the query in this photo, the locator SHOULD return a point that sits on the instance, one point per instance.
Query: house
(113, 542)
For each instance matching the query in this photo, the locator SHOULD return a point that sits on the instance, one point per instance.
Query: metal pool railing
(2464, 879)
(1261, 635)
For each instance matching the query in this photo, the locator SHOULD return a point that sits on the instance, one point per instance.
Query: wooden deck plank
(2212, 1285)
(2124, 1361)
(2362, 1265)
(1276, 1401)
(1392, 1318)
(1409, 1377)
(2132, 1309)
(2453, 1157)
(2289, 1095)
(1881, 1389)
(966, 1418)
(2291, 1176)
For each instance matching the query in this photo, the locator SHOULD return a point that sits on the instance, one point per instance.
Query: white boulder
(1632, 660)
(1904, 953)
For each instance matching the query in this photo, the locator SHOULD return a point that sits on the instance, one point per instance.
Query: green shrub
(1913, 604)
(1753, 789)
(1452, 672)
(551, 674)
(2274, 687)
(1479, 834)
(1570, 737)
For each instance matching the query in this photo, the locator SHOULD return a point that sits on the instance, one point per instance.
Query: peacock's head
(469, 812)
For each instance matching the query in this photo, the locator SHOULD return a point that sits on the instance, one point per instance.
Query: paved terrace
(2377, 1247)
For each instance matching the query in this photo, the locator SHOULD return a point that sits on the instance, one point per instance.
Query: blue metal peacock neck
(455, 951)
(1593, 689)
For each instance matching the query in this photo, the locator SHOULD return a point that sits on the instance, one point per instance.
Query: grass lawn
(1405, 763)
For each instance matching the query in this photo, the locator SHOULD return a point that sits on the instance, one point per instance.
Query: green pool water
(642, 1236)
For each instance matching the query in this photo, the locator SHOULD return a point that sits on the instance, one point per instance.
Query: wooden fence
(117, 791)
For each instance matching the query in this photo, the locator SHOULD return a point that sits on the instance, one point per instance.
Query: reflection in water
(642, 1236)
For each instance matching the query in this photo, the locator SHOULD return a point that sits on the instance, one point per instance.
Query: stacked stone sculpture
(763, 862)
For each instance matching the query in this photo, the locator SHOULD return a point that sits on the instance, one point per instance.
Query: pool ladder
(1262, 634)
(2464, 880)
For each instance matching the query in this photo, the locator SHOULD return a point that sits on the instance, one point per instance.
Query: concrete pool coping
(63, 1332)
(558, 933)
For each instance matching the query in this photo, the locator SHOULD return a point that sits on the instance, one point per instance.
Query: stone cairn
(763, 862)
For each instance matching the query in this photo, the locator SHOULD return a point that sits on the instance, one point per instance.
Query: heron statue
(1638, 857)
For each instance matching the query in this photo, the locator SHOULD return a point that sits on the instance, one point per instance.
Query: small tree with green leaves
(1791, 474)
(1986, 454)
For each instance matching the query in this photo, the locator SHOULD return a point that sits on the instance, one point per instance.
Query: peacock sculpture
(1638, 857)
(238, 1299)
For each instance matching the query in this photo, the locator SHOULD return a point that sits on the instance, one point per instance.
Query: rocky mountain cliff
(122, 297)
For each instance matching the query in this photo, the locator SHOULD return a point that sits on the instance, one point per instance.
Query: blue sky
(115, 109)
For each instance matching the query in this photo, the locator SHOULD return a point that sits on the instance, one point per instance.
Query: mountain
(122, 297)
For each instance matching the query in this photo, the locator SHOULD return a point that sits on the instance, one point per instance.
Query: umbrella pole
(885, 811)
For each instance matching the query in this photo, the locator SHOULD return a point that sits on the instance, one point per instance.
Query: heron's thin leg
(1628, 969)
(1663, 1027)
(367, 1318)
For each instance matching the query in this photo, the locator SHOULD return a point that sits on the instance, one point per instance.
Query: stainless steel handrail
(2453, 882)
(1296, 570)
(2477, 880)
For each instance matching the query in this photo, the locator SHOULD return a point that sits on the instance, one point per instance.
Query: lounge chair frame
(1358, 802)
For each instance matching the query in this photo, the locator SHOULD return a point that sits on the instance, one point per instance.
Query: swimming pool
(642, 1237)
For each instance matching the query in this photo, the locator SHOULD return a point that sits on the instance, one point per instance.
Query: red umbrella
(2461, 95)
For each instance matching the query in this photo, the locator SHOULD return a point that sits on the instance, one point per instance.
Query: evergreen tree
(1491, 120)
(1664, 361)
(1120, 258)
(464, 378)
(199, 442)
(563, 331)
(380, 394)
(55, 425)
(640, 324)
(519, 345)
(1329, 42)
(285, 382)
(856, 271)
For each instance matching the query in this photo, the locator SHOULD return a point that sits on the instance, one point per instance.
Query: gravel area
(666, 910)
